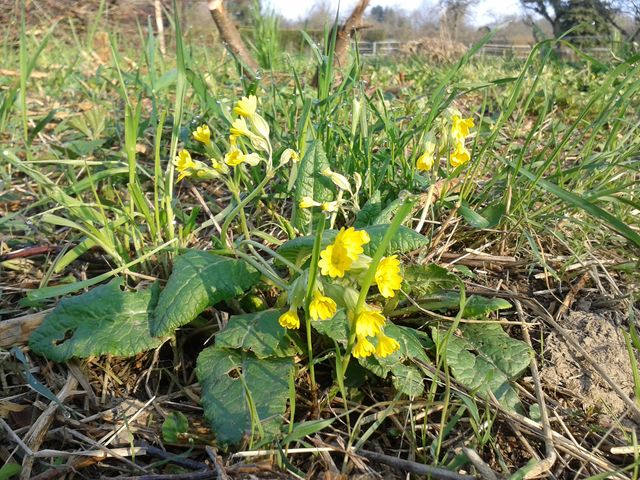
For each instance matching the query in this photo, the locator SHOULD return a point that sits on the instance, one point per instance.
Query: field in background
(545, 216)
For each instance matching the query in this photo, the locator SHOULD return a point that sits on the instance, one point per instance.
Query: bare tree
(454, 12)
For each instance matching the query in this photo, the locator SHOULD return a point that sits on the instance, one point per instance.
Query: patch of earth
(600, 334)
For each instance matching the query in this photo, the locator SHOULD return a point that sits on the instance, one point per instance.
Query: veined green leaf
(486, 359)
(232, 381)
(310, 183)
(103, 321)
(258, 332)
(199, 279)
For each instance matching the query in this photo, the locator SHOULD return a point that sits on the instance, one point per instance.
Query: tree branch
(231, 37)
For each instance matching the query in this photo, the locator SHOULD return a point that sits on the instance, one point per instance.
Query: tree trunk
(343, 37)
(231, 37)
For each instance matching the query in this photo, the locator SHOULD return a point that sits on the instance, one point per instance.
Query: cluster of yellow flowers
(248, 125)
(457, 134)
(344, 261)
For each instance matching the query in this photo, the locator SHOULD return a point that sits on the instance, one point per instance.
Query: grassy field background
(545, 215)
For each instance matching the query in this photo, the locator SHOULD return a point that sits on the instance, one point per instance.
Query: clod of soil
(601, 336)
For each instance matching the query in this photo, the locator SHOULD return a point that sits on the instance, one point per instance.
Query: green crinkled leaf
(369, 212)
(335, 328)
(428, 279)
(478, 306)
(387, 214)
(103, 321)
(408, 380)
(175, 427)
(199, 279)
(311, 183)
(259, 332)
(228, 377)
(485, 359)
(298, 250)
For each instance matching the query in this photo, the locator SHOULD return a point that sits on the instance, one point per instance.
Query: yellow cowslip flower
(308, 202)
(363, 348)
(219, 167)
(290, 319)
(352, 240)
(334, 261)
(460, 127)
(338, 180)
(235, 157)
(246, 106)
(239, 128)
(386, 346)
(202, 134)
(460, 156)
(330, 206)
(184, 164)
(321, 307)
(388, 277)
(425, 162)
(233, 140)
(289, 154)
(369, 323)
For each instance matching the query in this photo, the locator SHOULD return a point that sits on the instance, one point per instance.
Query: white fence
(390, 47)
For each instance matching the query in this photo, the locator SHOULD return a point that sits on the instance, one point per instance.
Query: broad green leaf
(230, 380)
(387, 214)
(486, 359)
(428, 279)
(311, 183)
(175, 427)
(199, 280)
(9, 470)
(103, 321)
(408, 380)
(369, 212)
(478, 306)
(259, 332)
(335, 328)
(298, 250)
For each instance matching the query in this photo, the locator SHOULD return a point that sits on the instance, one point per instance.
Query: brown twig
(413, 467)
(29, 252)
(201, 475)
(484, 469)
(544, 465)
(16, 331)
(36, 434)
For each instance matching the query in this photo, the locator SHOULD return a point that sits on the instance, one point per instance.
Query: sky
(488, 11)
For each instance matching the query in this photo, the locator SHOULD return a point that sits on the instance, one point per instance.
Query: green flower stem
(266, 249)
(241, 204)
(281, 284)
(313, 272)
(369, 276)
